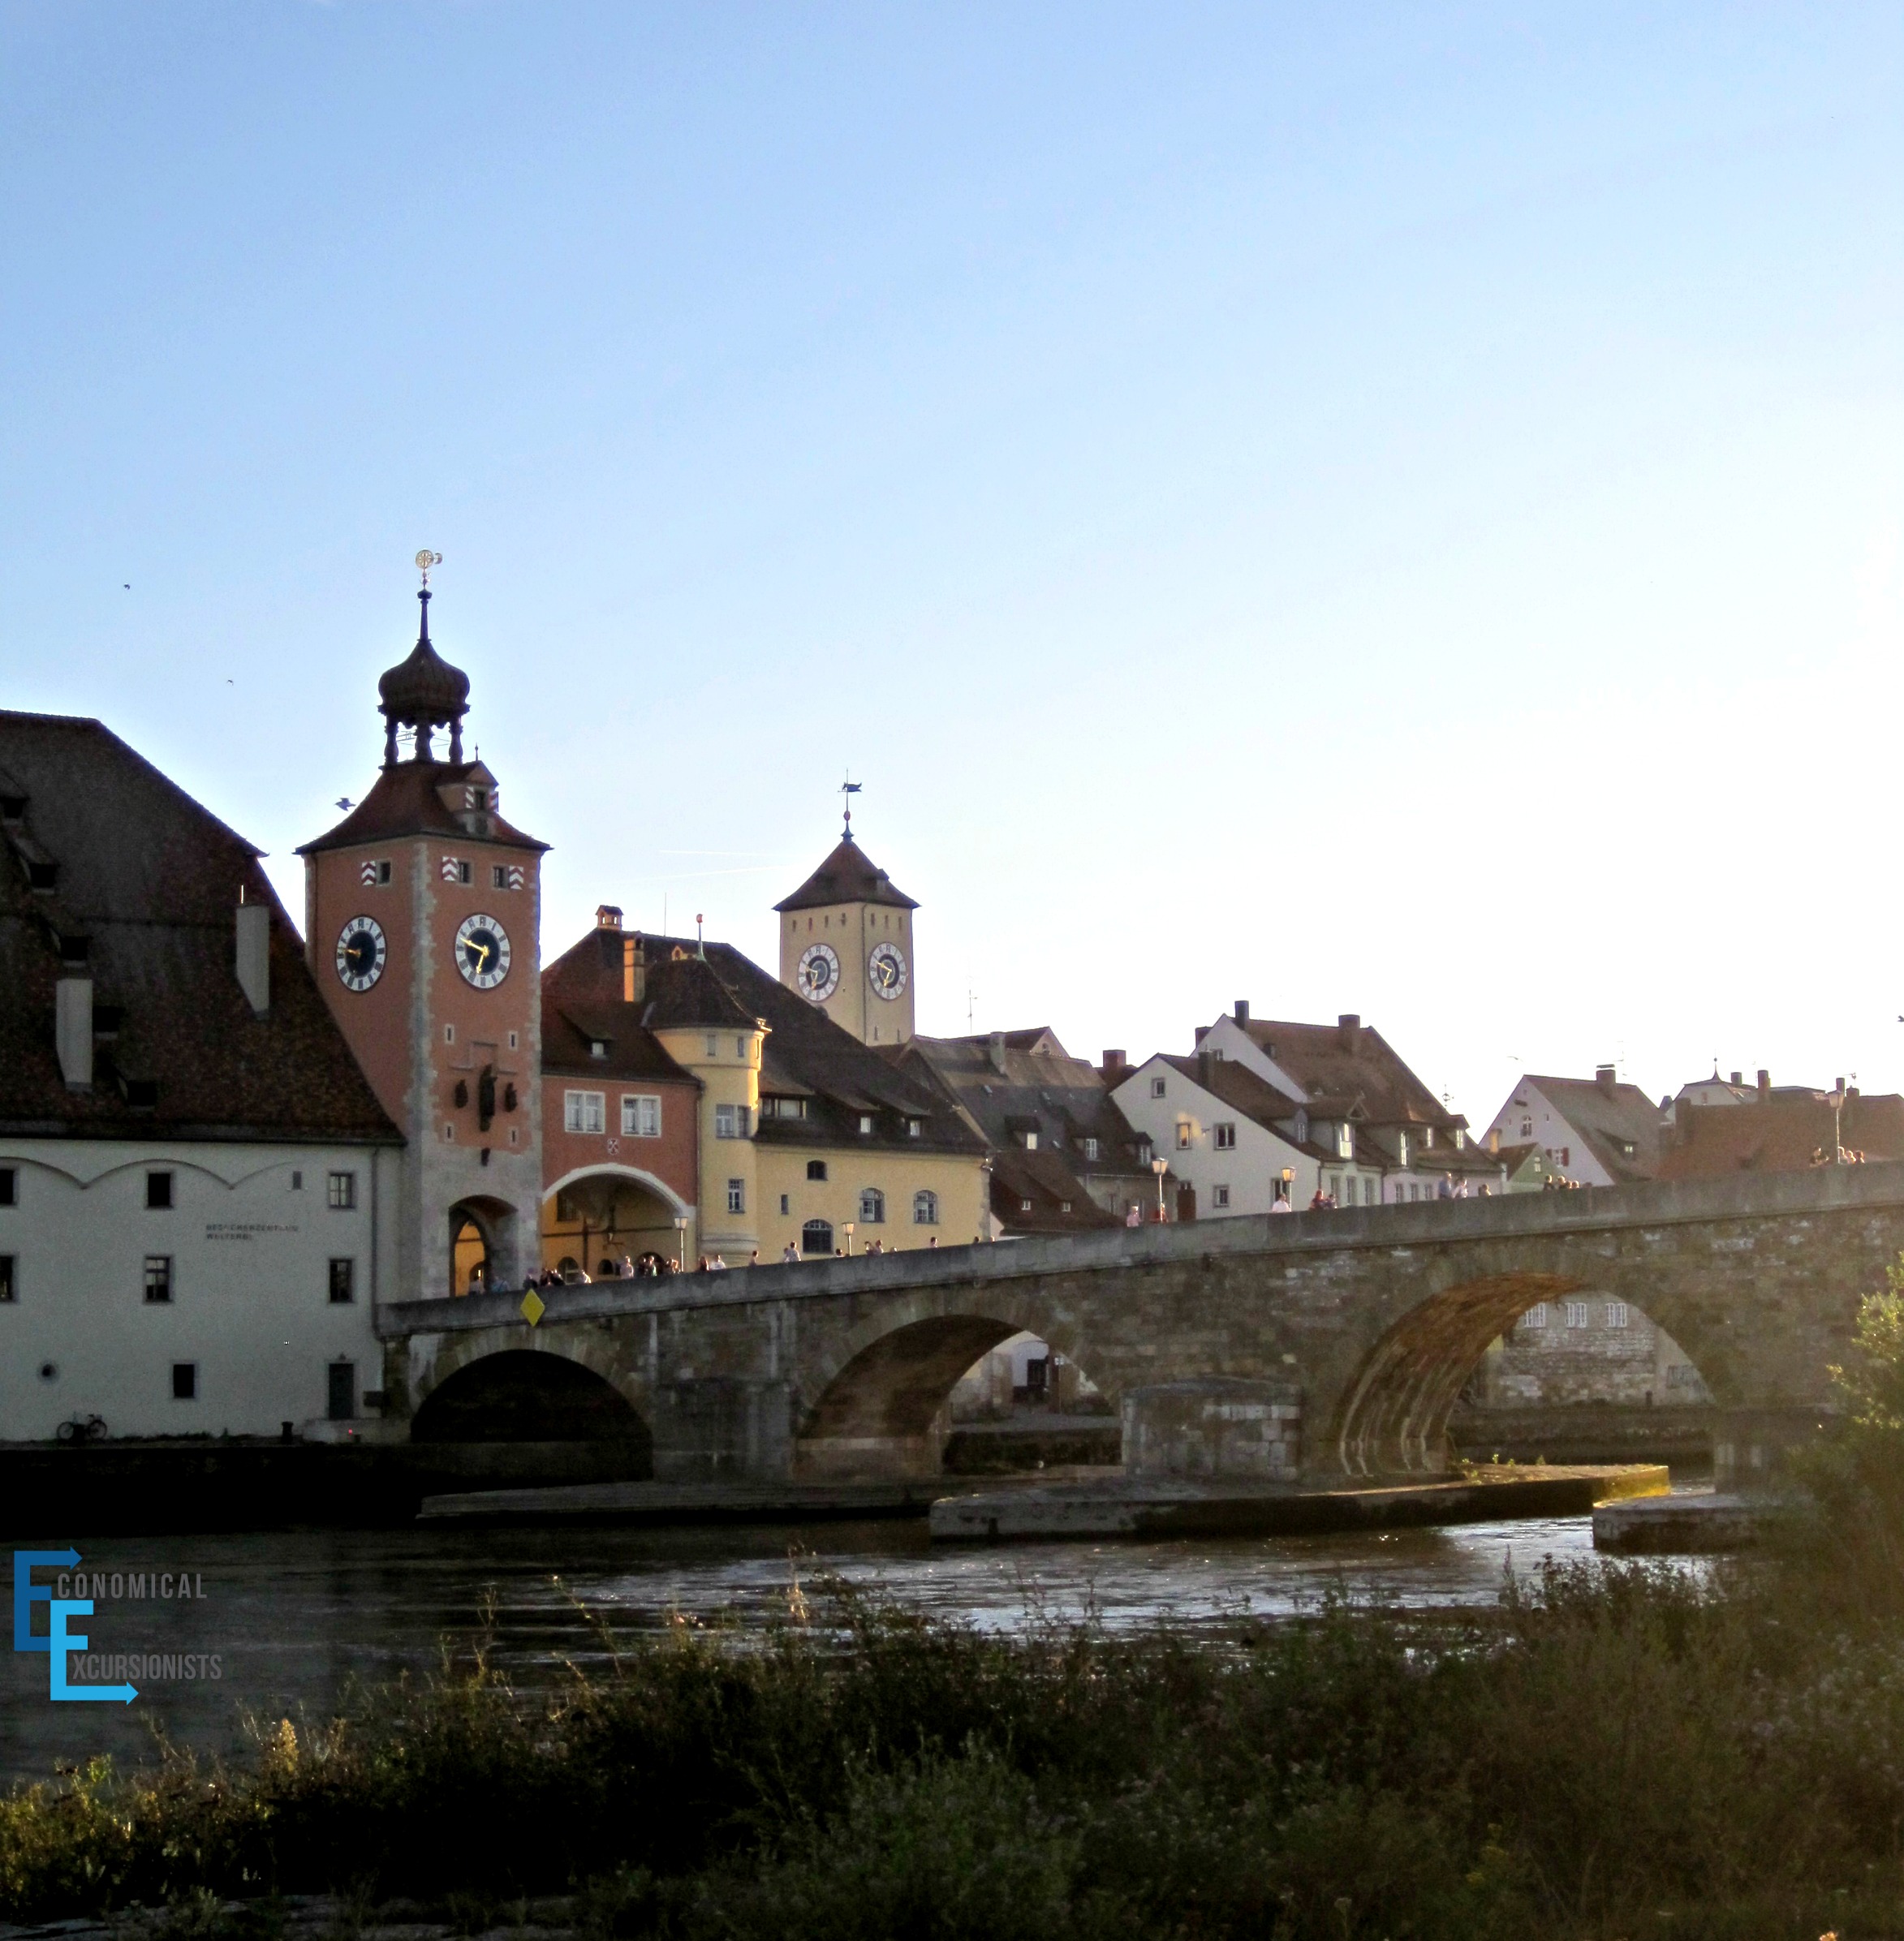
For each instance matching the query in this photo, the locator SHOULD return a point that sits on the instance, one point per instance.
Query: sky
(1395, 509)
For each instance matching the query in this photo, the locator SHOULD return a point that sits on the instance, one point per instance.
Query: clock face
(885, 971)
(359, 953)
(482, 952)
(819, 972)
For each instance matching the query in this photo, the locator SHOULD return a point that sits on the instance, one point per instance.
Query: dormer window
(1031, 1139)
(1090, 1149)
(866, 1124)
(1401, 1148)
(913, 1128)
(597, 1048)
(1302, 1128)
(1345, 1140)
(1428, 1137)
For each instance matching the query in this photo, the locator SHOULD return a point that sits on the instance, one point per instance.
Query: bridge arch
(493, 1387)
(880, 1394)
(594, 1216)
(1393, 1414)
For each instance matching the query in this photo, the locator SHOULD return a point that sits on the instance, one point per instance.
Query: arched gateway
(1367, 1321)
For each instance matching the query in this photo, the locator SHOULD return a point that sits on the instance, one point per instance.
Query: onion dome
(424, 692)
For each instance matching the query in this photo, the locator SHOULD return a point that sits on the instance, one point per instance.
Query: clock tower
(422, 913)
(845, 945)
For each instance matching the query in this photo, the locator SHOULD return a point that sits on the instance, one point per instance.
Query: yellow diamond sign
(534, 1307)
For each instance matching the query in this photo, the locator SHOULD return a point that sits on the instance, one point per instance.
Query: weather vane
(848, 790)
(425, 560)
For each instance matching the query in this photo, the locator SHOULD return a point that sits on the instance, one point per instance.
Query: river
(293, 1618)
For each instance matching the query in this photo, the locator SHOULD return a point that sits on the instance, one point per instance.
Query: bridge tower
(845, 944)
(422, 915)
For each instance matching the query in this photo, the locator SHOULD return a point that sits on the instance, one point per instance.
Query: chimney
(1606, 1077)
(1738, 1079)
(1349, 1030)
(634, 970)
(608, 916)
(72, 1031)
(1114, 1061)
(254, 954)
(1764, 1087)
(1242, 1010)
(998, 1051)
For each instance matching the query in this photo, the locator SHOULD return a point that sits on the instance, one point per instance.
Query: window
(582, 1112)
(786, 1205)
(512, 1041)
(565, 1209)
(872, 1206)
(1333, 1187)
(1225, 1134)
(597, 1048)
(641, 1115)
(737, 1196)
(343, 1283)
(158, 1189)
(498, 876)
(379, 873)
(912, 1128)
(1535, 1316)
(1345, 1141)
(463, 872)
(1184, 1135)
(1527, 1129)
(1156, 1088)
(450, 1134)
(713, 1044)
(1302, 1128)
(1401, 1147)
(865, 1125)
(9, 1285)
(9, 1187)
(1566, 1156)
(340, 1191)
(1090, 1149)
(1031, 1139)
(1428, 1137)
(185, 1381)
(1616, 1314)
(1024, 1205)
(449, 1033)
(158, 1277)
(731, 1122)
(1576, 1313)
(817, 1237)
(340, 1386)
(740, 1049)
(297, 1182)
(925, 1209)
(1219, 1196)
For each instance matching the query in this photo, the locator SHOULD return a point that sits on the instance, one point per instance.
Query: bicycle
(83, 1428)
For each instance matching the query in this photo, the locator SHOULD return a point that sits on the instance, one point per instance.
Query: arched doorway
(482, 1249)
(607, 1219)
(525, 1395)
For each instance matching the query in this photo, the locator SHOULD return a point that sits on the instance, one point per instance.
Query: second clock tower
(422, 913)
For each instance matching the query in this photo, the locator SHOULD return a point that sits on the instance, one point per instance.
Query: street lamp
(1289, 1187)
(1160, 1167)
(681, 1242)
(848, 1231)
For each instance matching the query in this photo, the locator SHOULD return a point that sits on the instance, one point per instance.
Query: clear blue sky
(1395, 510)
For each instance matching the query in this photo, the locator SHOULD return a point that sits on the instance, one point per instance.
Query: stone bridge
(1362, 1323)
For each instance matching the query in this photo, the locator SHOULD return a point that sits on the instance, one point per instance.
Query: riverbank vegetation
(1623, 1751)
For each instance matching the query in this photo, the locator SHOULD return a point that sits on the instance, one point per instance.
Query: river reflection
(294, 1617)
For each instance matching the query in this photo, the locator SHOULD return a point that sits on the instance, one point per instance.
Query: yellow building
(809, 1140)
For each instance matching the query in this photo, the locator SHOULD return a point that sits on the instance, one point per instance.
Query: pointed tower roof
(848, 875)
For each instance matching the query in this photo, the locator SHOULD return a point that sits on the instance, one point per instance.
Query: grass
(1614, 1753)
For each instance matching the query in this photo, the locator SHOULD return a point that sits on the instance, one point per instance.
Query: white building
(195, 1179)
(1596, 1131)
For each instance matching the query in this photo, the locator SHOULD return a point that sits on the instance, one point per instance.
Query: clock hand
(482, 951)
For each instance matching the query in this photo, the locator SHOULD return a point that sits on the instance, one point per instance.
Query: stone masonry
(1373, 1318)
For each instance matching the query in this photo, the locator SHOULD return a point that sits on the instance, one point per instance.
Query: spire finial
(848, 790)
(424, 560)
